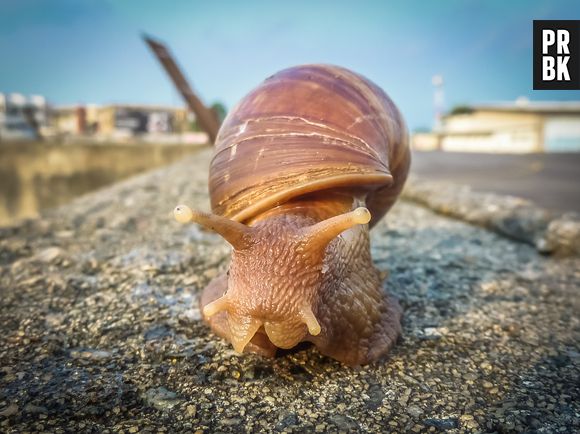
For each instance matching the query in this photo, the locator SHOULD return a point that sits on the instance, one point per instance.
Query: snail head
(275, 275)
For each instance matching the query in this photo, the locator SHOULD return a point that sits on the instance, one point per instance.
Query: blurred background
(85, 101)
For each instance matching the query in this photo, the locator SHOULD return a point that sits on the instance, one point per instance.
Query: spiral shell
(306, 129)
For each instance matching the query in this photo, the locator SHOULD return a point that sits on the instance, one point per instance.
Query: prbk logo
(556, 55)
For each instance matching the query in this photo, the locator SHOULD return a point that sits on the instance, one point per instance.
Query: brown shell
(305, 129)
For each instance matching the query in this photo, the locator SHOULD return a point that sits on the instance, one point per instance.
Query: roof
(150, 107)
(146, 107)
(526, 106)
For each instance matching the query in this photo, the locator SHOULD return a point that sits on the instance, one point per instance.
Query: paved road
(550, 180)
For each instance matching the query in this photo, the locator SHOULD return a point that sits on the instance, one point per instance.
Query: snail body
(303, 167)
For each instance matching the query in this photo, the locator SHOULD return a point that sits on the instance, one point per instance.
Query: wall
(35, 176)
(562, 133)
(493, 132)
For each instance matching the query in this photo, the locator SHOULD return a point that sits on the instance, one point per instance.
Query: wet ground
(100, 329)
(550, 180)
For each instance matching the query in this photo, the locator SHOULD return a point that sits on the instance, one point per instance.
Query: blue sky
(89, 51)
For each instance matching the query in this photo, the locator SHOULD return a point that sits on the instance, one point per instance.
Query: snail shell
(303, 166)
(306, 129)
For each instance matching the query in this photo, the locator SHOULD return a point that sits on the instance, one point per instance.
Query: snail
(303, 167)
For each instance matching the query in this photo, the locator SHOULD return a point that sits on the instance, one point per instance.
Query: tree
(461, 110)
(219, 110)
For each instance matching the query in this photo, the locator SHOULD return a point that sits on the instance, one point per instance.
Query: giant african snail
(301, 165)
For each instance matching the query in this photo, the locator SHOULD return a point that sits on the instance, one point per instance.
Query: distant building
(127, 122)
(23, 117)
(30, 117)
(518, 127)
(133, 120)
(69, 120)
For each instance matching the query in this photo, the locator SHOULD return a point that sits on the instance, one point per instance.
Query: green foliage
(194, 126)
(220, 111)
(461, 110)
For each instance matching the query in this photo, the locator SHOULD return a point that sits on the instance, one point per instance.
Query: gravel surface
(100, 329)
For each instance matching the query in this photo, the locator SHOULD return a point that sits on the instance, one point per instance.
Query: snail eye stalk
(322, 233)
(237, 234)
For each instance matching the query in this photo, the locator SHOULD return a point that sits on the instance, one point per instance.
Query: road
(550, 180)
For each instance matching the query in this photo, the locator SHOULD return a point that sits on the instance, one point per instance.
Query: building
(23, 117)
(121, 120)
(31, 118)
(128, 122)
(69, 120)
(512, 127)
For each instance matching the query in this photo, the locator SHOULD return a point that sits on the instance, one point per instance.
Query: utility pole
(438, 101)
(205, 116)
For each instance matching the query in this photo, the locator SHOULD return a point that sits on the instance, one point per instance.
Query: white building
(21, 117)
(509, 127)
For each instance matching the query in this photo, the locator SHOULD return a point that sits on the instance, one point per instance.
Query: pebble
(49, 255)
(91, 354)
(442, 424)
(191, 410)
(161, 398)
(11, 410)
(414, 411)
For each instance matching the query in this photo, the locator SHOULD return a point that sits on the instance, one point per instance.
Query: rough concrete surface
(551, 232)
(100, 329)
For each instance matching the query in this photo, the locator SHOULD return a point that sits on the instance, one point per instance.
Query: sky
(90, 51)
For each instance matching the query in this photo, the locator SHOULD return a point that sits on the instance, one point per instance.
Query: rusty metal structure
(207, 119)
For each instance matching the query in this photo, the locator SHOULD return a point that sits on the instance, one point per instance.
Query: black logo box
(573, 27)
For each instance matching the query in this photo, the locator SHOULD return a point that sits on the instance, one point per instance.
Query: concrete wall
(493, 132)
(562, 133)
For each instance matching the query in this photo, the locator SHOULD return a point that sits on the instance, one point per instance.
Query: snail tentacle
(216, 306)
(237, 234)
(322, 233)
(310, 320)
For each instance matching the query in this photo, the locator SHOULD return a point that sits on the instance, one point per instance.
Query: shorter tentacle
(310, 320)
(216, 306)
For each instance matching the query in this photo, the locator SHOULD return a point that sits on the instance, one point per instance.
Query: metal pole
(207, 119)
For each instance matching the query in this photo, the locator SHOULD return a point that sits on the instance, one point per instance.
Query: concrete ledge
(100, 329)
(517, 218)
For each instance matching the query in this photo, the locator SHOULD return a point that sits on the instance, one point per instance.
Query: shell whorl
(305, 129)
